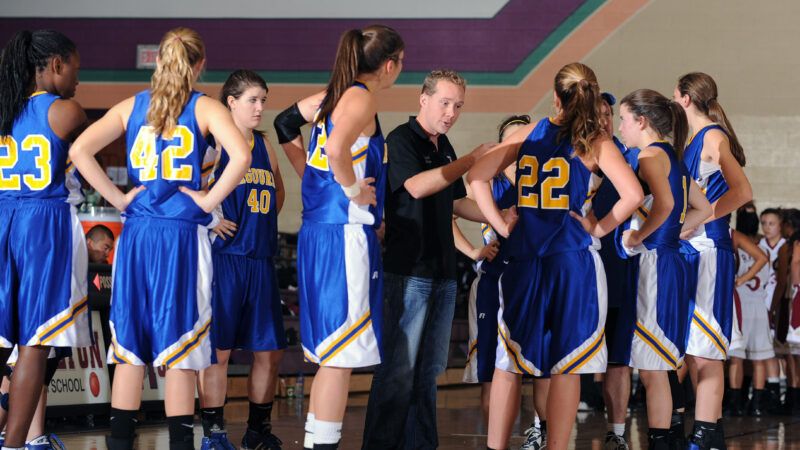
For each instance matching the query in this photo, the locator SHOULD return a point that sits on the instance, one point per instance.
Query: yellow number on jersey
(143, 154)
(259, 203)
(685, 199)
(144, 158)
(529, 180)
(11, 182)
(555, 182)
(180, 151)
(41, 162)
(318, 159)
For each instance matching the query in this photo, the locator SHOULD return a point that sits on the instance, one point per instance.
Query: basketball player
(43, 288)
(160, 303)
(550, 251)
(344, 177)
(671, 202)
(715, 159)
(245, 301)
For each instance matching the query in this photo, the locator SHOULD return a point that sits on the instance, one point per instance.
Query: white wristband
(352, 192)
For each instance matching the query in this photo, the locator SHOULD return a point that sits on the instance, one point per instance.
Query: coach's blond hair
(429, 85)
(180, 50)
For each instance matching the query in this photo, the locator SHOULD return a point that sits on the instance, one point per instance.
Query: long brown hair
(702, 90)
(360, 51)
(667, 118)
(180, 50)
(577, 89)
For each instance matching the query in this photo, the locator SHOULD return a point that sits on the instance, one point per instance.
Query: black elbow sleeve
(287, 124)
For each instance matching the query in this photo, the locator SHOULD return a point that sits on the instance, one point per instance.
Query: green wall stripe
(408, 78)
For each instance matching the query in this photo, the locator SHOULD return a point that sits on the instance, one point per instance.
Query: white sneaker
(614, 442)
(535, 439)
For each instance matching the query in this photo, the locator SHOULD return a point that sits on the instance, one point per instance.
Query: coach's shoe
(615, 442)
(46, 442)
(218, 440)
(535, 439)
(257, 441)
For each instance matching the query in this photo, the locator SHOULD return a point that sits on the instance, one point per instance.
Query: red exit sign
(146, 56)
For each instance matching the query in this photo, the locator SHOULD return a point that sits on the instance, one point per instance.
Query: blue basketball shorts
(43, 270)
(552, 315)
(246, 304)
(340, 285)
(161, 295)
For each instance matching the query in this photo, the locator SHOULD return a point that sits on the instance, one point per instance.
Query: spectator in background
(100, 243)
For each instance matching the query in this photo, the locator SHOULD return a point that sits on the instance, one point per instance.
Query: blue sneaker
(46, 442)
(217, 441)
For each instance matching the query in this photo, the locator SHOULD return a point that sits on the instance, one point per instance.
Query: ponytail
(345, 70)
(577, 89)
(680, 128)
(702, 90)
(180, 50)
(359, 52)
(25, 54)
(717, 114)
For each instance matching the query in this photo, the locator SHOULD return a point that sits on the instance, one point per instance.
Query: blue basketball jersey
(667, 235)
(252, 205)
(34, 161)
(323, 198)
(505, 196)
(163, 164)
(709, 177)
(551, 182)
(607, 195)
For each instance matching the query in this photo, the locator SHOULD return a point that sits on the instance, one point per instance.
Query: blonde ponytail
(180, 50)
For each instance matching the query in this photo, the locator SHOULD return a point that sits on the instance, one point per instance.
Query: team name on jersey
(258, 176)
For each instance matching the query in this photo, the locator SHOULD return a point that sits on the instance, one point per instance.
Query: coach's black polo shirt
(419, 233)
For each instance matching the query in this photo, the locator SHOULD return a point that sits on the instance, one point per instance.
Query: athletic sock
(212, 419)
(308, 440)
(703, 433)
(181, 432)
(259, 418)
(123, 423)
(616, 428)
(327, 432)
(658, 438)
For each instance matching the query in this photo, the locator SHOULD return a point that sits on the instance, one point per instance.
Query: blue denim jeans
(418, 317)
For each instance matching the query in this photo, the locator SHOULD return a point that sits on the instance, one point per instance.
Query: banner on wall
(82, 378)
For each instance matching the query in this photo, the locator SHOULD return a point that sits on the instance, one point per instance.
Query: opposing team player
(161, 296)
(672, 201)
(339, 266)
(245, 300)
(43, 291)
(751, 338)
(771, 243)
(715, 159)
(551, 255)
